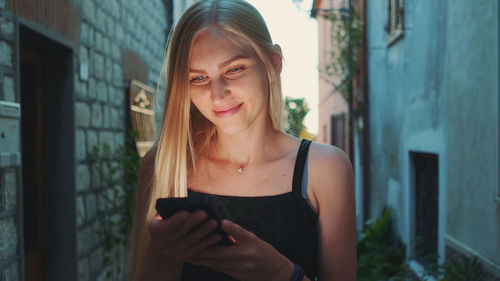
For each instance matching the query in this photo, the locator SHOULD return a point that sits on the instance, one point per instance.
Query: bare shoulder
(327, 161)
(330, 175)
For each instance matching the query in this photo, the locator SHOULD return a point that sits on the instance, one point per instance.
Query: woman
(292, 202)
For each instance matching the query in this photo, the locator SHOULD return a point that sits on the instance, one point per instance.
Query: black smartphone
(167, 207)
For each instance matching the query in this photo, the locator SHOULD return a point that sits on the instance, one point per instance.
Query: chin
(231, 129)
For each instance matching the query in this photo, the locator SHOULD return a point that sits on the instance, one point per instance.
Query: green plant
(118, 172)
(297, 110)
(381, 254)
(463, 269)
(343, 58)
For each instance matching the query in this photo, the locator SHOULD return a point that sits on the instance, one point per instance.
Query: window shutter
(395, 20)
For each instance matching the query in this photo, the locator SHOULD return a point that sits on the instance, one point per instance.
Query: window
(395, 20)
(337, 130)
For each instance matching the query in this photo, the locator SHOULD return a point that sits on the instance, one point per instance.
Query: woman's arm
(331, 180)
(147, 266)
(166, 243)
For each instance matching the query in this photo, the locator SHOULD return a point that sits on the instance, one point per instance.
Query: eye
(198, 79)
(236, 69)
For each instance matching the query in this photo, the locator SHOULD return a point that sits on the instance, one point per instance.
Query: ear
(277, 58)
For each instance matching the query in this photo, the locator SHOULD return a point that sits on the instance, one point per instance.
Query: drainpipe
(366, 121)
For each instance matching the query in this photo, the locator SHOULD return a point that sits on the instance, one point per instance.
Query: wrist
(284, 271)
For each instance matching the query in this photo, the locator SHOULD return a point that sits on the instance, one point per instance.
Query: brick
(8, 89)
(115, 9)
(109, 70)
(117, 74)
(106, 46)
(8, 238)
(92, 88)
(83, 270)
(84, 240)
(83, 58)
(96, 115)
(80, 87)
(6, 26)
(115, 119)
(84, 34)
(99, 44)
(115, 51)
(119, 34)
(80, 210)
(5, 54)
(12, 272)
(82, 178)
(10, 185)
(119, 139)
(96, 260)
(98, 68)
(81, 149)
(82, 114)
(91, 206)
(91, 140)
(101, 20)
(102, 91)
(88, 11)
(110, 25)
(96, 177)
(107, 138)
(107, 117)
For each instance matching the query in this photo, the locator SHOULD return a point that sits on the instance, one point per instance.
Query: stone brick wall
(109, 29)
(9, 170)
(104, 34)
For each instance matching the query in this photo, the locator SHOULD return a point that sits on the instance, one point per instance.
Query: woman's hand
(248, 259)
(181, 236)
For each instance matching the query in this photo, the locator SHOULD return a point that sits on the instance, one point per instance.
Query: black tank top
(286, 221)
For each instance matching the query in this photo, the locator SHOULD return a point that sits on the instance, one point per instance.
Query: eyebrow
(224, 63)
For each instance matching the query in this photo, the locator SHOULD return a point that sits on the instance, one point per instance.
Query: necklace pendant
(240, 170)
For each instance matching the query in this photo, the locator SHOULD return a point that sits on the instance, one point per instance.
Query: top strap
(298, 171)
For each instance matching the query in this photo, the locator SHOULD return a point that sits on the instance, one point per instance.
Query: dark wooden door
(32, 156)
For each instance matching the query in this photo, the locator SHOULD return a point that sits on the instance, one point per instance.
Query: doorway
(48, 163)
(426, 206)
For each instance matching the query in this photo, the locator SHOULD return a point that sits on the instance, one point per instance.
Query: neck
(243, 149)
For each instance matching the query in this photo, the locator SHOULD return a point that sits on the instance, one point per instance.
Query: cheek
(200, 103)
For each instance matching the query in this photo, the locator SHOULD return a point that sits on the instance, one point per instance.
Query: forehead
(214, 46)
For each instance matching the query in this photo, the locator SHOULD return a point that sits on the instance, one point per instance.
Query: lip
(226, 113)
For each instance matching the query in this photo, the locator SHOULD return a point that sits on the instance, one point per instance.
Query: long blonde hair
(186, 133)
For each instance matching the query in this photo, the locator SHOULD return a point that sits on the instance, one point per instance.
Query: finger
(162, 227)
(220, 253)
(193, 220)
(196, 234)
(236, 232)
(224, 266)
(204, 244)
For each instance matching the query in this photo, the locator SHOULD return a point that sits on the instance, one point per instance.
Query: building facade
(333, 107)
(342, 115)
(65, 72)
(434, 126)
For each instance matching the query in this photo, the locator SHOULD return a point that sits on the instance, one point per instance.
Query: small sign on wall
(142, 115)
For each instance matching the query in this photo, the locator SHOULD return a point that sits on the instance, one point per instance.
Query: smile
(228, 112)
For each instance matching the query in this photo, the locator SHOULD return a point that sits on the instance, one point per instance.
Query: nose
(218, 90)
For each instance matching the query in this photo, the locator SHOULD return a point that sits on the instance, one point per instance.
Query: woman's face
(227, 84)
